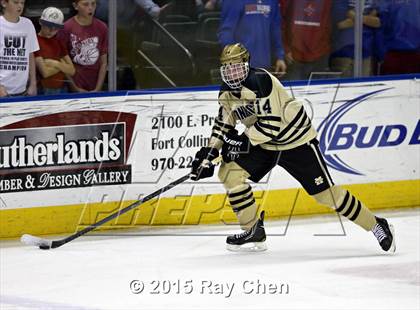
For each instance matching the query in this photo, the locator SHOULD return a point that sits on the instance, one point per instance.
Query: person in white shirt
(18, 43)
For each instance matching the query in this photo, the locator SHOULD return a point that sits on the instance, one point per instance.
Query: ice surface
(321, 264)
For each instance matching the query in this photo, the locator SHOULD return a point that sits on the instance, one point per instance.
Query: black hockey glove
(233, 145)
(201, 166)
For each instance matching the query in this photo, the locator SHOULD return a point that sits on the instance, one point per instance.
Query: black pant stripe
(322, 161)
(241, 200)
(245, 191)
(344, 203)
(351, 206)
(244, 206)
(356, 213)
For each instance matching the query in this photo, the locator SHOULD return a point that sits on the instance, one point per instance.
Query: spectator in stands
(3, 91)
(152, 8)
(255, 24)
(86, 39)
(208, 5)
(343, 57)
(130, 29)
(128, 9)
(401, 31)
(52, 60)
(17, 46)
(306, 32)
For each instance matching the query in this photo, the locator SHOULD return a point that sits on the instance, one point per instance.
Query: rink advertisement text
(40, 180)
(68, 156)
(208, 287)
(165, 138)
(181, 131)
(368, 132)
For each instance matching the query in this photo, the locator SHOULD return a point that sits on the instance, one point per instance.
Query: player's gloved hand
(233, 145)
(201, 166)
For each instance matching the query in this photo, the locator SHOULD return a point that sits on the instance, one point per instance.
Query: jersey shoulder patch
(224, 88)
(259, 81)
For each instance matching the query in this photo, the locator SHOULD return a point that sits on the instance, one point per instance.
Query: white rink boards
(369, 133)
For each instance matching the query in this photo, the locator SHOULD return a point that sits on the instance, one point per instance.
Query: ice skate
(252, 240)
(384, 232)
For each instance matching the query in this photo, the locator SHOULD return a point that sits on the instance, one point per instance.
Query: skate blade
(393, 246)
(248, 247)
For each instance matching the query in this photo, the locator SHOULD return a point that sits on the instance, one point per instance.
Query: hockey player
(277, 132)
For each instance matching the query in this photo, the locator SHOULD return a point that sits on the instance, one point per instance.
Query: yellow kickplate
(194, 210)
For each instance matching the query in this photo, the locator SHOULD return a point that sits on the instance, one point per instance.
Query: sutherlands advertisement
(66, 150)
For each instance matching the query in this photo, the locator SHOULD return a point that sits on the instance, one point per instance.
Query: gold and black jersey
(273, 119)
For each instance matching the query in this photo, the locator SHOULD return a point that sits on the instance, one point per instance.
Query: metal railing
(170, 36)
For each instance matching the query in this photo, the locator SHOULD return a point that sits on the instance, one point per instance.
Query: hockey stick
(46, 244)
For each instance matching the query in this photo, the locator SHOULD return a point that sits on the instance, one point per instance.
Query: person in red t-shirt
(306, 31)
(86, 38)
(52, 60)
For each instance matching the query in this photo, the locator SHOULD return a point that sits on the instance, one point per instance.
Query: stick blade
(43, 244)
